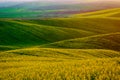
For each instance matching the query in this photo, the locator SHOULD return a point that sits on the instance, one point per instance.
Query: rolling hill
(35, 32)
(102, 13)
(81, 47)
(16, 33)
(61, 53)
(43, 9)
(96, 25)
(105, 41)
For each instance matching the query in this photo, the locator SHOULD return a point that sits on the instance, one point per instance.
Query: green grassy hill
(105, 41)
(26, 33)
(95, 25)
(18, 33)
(79, 48)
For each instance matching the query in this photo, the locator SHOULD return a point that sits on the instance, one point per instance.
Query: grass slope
(79, 49)
(18, 33)
(105, 41)
(96, 25)
(21, 32)
(102, 13)
(62, 53)
(60, 64)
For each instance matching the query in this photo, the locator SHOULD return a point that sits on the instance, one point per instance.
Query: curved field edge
(95, 25)
(115, 12)
(61, 53)
(18, 33)
(42, 31)
(57, 62)
(104, 41)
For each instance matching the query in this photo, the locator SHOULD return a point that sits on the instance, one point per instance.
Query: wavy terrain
(81, 47)
(102, 13)
(51, 9)
(104, 41)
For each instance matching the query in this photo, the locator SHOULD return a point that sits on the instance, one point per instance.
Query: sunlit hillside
(82, 47)
(105, 41)
(114, 13)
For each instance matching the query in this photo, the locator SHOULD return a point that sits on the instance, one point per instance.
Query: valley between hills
(83, 46)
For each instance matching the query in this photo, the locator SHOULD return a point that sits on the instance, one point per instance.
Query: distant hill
(115, 12)
(50, 9)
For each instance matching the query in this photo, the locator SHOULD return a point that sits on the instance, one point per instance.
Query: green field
(81, 47)
(24, 12)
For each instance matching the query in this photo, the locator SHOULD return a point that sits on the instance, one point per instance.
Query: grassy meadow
(81, 47)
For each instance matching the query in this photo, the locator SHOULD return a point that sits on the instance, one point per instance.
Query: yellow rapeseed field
(27, 67)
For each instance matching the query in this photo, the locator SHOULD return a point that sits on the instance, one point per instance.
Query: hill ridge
(103, 41)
